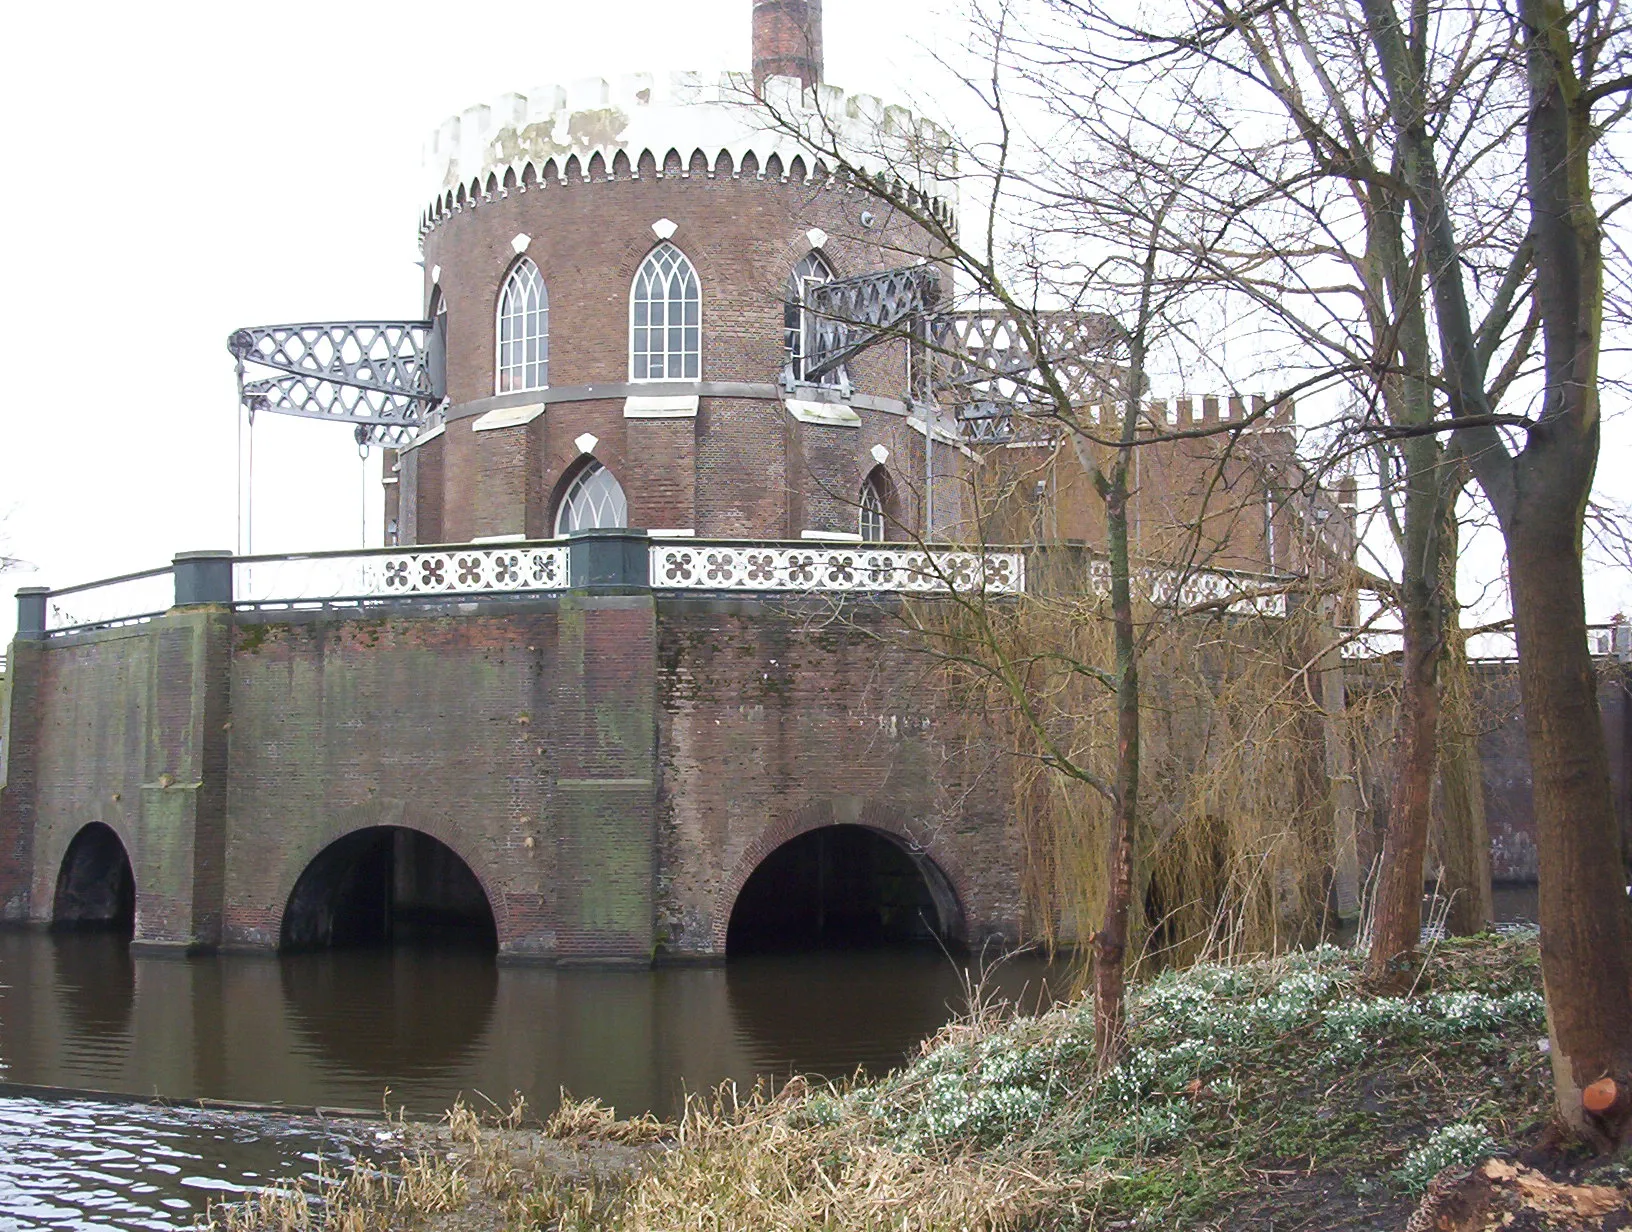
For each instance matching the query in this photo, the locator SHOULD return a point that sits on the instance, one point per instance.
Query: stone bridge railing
(594, 558)
(631, 558)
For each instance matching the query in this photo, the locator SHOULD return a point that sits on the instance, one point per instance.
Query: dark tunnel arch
(387, 885)
(96, 889)
(845, 887)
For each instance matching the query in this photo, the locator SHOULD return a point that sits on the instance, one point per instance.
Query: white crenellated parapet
(556, 133)
(1186, 412)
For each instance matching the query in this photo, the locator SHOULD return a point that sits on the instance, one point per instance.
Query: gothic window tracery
(872, 511)
(524, 330)
(665, 311)
(798, 323)
(595, 501)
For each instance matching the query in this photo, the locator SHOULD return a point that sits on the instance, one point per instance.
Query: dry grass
(1284, 1067)
(764, 1163)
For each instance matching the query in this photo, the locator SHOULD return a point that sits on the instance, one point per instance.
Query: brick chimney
(788, 40)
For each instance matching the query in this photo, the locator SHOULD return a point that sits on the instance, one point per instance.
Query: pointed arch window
(798, 322)
(665, 318)
(595, 501)
(872, 511)
(523, 330)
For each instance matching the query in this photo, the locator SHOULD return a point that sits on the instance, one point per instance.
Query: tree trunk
(1586, 933)
(1397, 917)
(1340, 771)
(1111, 942)
(1586, 929)
(1461, 838)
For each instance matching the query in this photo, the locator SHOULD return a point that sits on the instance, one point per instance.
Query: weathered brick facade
(742, 466)
(611, 766)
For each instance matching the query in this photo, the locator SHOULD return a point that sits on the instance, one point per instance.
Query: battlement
(1180, 414)
(1193, 412)
(676, 124)
(1187, 412)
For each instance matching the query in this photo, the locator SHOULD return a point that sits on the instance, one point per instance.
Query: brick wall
(772, 726)
(131, 732)
(740, 468)
(611, 767)
(437, 723)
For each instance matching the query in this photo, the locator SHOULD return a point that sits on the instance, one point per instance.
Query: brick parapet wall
(611, 767)
(25, 665)
(773, 725)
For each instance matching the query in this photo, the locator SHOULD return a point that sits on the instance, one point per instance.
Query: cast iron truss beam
(851, 314)
(383, 377)
(978, 362)
(984, 368)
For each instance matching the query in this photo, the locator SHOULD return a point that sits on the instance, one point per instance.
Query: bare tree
(1103, 227)
(1480, 164)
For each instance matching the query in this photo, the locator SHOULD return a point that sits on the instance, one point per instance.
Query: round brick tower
(618, 271)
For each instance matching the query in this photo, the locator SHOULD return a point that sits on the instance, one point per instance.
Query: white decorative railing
(1487, 645)
(1240, 594)
(129, 599)
(272, 581)
(760, 567)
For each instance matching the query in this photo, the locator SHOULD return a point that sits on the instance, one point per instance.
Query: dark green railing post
(203, 578)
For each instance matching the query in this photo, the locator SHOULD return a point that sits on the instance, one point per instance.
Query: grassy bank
(1275, 1094)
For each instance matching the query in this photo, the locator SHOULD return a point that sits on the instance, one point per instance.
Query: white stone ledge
(508, 417)
(642, 406)
(831, 536)
(831, 414)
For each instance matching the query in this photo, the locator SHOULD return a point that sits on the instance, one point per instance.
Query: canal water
(400, 1028)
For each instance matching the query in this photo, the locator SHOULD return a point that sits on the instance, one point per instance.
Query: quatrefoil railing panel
(1240, 593)
(331, 578)
(754, 567)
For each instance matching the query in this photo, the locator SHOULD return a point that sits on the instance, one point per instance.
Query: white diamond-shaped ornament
(664, 228)
(817, 237)
(881, 455)
(587, 442)
(520, 243)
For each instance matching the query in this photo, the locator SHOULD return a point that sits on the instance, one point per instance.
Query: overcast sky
(174, 171)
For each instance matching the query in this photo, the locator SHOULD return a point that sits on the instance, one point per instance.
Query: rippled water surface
(85, 1164)
(342, 1029)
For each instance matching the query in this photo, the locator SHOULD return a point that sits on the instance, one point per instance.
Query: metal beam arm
(384, 377)
(851, 314)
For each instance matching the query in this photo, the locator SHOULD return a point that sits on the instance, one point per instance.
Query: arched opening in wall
(387, 885)
(799, 323)
(878, 508)
(96, 889)
(844, 887)
(594, 500)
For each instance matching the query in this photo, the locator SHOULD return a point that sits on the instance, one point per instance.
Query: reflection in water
(338, 1028)
(97, 979)
(399, 1013)
(830, 1014)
